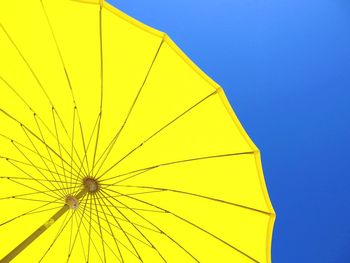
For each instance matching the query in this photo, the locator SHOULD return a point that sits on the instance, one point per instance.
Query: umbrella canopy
(115, 147)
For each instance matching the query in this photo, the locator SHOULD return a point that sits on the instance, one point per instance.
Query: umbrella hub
(72, 202)
(91, 185)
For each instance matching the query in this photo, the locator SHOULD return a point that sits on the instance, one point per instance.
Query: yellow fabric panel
(91, 85)
(204, 130)
(230, 178)
(171, 88)
(241, 228)
(128, 53)
(31, 35)
(79, 44)
(205, 250)
(30, 52)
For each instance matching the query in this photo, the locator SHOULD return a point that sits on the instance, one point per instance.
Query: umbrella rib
(160, 230)
(26, 62)
(89, 243)
(142, 193)
(59, 148)
(22, 178)
(143, 170)
(31, 150)
(84, 145)
(151, 245)
(45, 210)
(111, 234)
(59, 53)
(193, 224)
(71, 152)
(61, 229)
(86, 149)
(93, 243)
(70, 139)
(58, 142)
(44, 192)
(27, 213)
(39, 182)
(34, 135)
(28, 164)
(73, 136)
(127, 178)
(36, 150)
(17, 94)
(30, 108)
(99, 225)
(81, 166)
(115, 138)
(47, 149)
(81, 240)
(66, 75)
(157, 132)
(216, 237)
(121, 228)
(34, 200)
(116, 240)
(71, 233)
(78, 230)
(92, 240)
(131, 235)
(134, 208)
(42, 140)
(110, 228)
(130, 222)
(123, 219)
(121, 243)
(34, 167)
(42, 137)
(27, 194)
(33, 73)
(161, 210)
(35, 77)
(197, 195)
(138, 230)
(101, 92)
(53, 135)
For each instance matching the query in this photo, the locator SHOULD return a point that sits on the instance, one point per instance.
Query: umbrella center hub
(91, 185)
(72, 202)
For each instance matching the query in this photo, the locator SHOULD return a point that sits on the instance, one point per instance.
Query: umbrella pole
(10, 256)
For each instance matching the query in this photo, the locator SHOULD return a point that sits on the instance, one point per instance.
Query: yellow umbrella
(115, 147)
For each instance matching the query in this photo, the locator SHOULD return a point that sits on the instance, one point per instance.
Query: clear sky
(285, 67)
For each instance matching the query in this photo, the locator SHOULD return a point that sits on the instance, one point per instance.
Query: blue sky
(285, 67)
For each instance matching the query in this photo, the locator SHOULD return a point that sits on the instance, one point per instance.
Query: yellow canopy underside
(86, 90)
